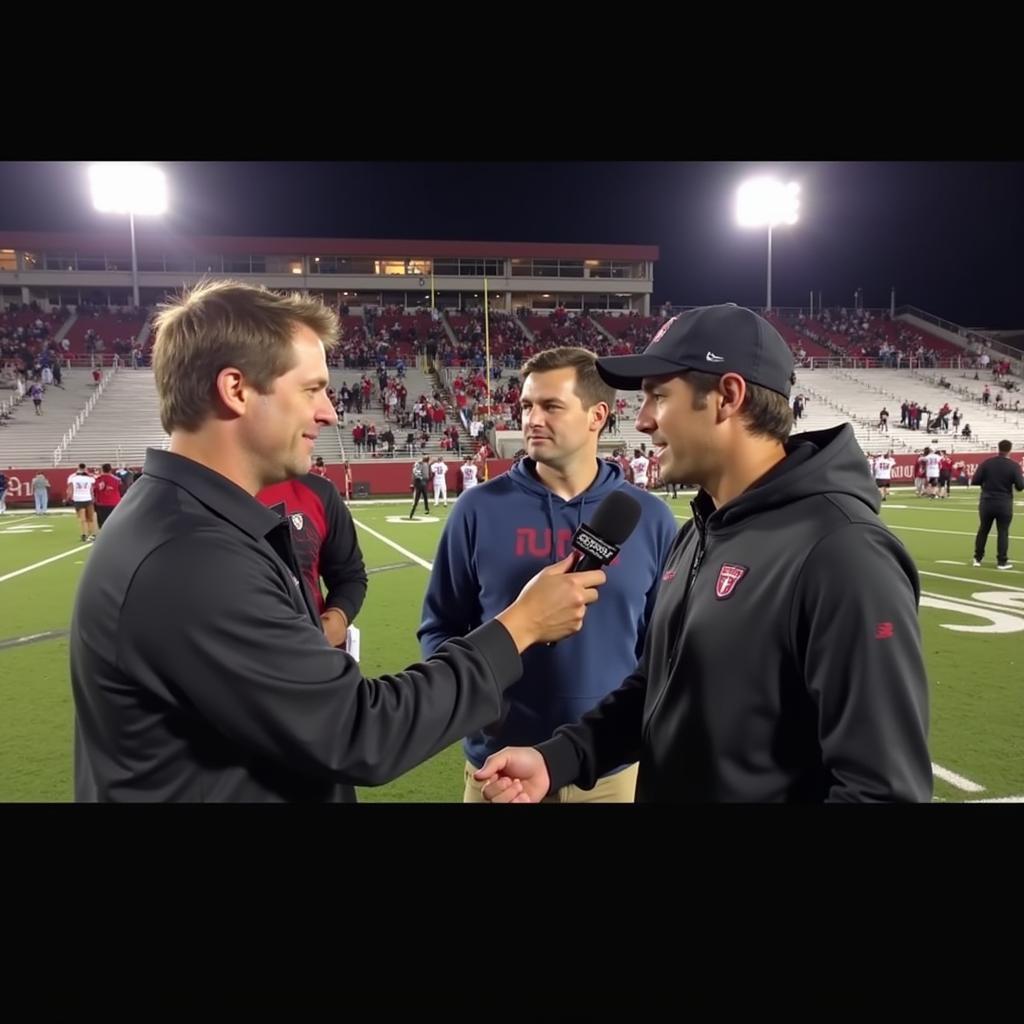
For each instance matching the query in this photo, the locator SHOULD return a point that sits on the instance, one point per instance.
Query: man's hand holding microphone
(551, 606)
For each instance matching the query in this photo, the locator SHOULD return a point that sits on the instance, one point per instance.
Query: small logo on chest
(729, 577)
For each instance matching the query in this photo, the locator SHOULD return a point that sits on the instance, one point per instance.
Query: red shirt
(107, 490)
(308, 519)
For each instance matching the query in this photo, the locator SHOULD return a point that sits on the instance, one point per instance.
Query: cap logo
(661, 331)
(712, 358)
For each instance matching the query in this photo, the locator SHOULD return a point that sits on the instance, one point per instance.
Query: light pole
(766, 202)
(129, 188)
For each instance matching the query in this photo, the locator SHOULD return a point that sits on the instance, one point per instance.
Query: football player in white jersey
(439, 473)
(468, 470)
(80, 493)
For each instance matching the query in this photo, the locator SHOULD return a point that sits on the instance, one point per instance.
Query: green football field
(972, 621)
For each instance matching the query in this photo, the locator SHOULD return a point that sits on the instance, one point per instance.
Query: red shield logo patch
(728, 577)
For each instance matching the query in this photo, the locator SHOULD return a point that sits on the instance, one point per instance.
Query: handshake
(550, 607)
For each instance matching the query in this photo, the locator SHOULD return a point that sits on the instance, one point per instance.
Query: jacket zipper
(677, 622)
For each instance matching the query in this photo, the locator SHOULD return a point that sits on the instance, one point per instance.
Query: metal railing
(983, 341)
(7, 407)
(906, 363)
(69, 434)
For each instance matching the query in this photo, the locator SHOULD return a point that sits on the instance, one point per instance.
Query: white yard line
(981, 581)
(46, 561)
(956, 780)
(398, 547)
(951, 533)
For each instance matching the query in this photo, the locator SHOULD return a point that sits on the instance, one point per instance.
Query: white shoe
(975, 563)
(1005, 565)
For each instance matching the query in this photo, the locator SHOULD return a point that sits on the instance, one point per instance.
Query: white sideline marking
(956, 780)
(398, 547)
(982, 581)
(46, 561)
(951, 533)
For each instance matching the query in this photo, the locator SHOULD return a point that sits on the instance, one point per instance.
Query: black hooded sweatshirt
(783, 662)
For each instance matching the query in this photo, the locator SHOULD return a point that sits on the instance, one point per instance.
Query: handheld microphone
(599, 541)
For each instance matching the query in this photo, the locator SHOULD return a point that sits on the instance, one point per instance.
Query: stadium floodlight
(131, 188)
(767, 202)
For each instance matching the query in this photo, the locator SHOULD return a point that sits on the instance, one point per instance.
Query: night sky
(949, 236)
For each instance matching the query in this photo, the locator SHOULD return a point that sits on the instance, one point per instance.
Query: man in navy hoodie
(503, 532)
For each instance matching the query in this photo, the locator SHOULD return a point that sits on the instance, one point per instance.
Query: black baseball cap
(713, 339)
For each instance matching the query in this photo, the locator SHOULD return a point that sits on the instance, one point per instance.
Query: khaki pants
(613, 789)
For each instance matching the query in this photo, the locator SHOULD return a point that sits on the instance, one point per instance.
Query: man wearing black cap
(997, 477)
(783, 662)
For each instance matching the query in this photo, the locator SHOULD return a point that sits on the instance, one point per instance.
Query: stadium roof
(156, 240)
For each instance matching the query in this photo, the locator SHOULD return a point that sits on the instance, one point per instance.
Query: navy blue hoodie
(497, 537)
